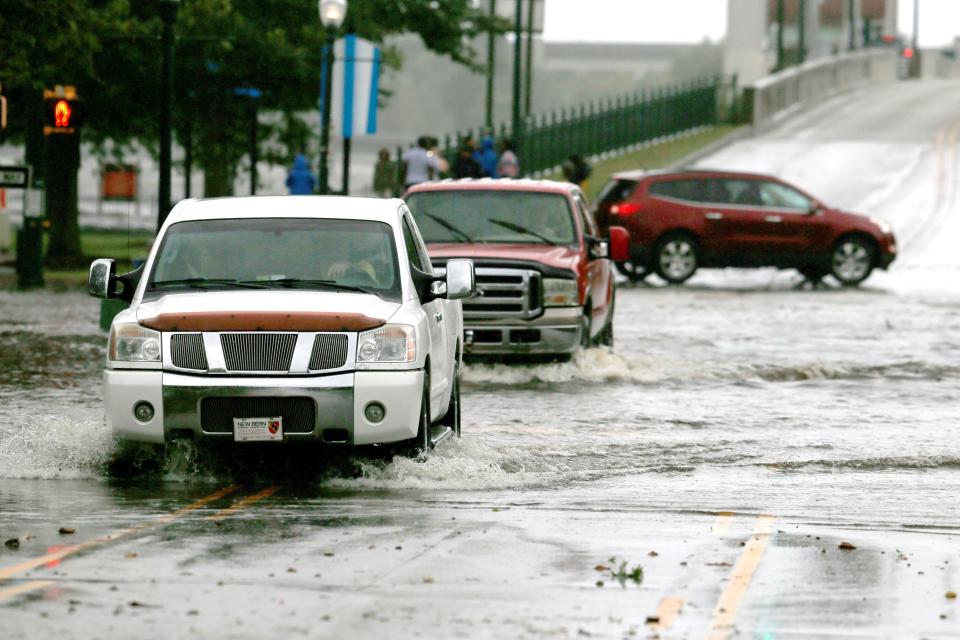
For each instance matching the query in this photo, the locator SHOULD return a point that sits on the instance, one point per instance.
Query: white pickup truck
(289, 319)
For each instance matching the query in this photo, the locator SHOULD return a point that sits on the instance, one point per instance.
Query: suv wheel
(676, 258)
(852, 261)
(633, 271)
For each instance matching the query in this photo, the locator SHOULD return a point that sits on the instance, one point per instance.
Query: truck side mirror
(461, 279)
(619, 244)
(100, 283)
(596, 247)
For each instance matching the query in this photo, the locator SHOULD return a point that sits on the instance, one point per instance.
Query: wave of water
(887, 463)
(600, 366)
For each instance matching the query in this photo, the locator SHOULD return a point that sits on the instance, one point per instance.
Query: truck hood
(559, 257)
(254, 310)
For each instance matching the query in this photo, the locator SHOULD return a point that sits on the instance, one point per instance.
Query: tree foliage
(110, 49)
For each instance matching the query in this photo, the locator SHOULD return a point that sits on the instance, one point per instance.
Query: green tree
(110, 50)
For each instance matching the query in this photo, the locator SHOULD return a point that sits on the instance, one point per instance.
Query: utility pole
(781, 20)
(802, 27)
(529, 70)
(915, 60)
(491, 65)
(517, 58)
(168, 14)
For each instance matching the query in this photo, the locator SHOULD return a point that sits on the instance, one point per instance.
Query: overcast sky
(694, 20)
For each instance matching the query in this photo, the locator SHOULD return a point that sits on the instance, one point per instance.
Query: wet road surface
(741, 431)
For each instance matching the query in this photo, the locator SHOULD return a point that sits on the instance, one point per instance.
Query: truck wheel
(677, 258)
(586, 324)
(419, 444)
(452, 419)
(606, 336)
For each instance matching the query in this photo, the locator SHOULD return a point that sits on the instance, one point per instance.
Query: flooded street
(743, 427)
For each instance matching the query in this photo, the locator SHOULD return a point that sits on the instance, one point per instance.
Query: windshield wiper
(331, 284)
(449, 227)
(521, 229)
(199, 283)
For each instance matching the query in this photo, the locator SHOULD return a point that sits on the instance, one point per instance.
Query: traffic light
(63, 112)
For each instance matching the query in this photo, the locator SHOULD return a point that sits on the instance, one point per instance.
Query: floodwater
(744, 426)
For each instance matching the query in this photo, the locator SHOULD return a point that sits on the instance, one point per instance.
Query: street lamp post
(168, 14)
(332, 14)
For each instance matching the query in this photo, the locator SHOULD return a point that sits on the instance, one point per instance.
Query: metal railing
(782, 94)
(546, 140)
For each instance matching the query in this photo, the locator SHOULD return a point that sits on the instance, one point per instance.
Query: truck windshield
(493, 216)
(306, 253)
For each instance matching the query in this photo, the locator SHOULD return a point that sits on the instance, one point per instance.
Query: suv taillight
(625, 209)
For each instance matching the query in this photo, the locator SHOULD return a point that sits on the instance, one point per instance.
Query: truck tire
(605, 339)
(586, 322)
(420, 443)
(452, 418)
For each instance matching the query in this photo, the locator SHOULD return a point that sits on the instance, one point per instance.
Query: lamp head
(332, 13)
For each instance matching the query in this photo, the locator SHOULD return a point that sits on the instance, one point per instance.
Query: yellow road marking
(667, 613)
(725, 613)
(243, 503)
(8, 572)
(722, 524)
(26, 587)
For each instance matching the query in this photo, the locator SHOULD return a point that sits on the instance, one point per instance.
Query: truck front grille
(504, 293)
(329, 351)
(186, 351)
(258, 351)
(217, 414)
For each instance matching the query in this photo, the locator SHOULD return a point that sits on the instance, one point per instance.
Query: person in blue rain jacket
(300, 181)
(488, 157)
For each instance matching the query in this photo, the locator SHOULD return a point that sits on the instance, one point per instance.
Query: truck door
(441, 370)
(601, 277)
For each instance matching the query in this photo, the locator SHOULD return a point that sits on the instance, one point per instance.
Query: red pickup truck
(545, 282)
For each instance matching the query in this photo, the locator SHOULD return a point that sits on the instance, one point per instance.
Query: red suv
(545, 281)
(680, 221)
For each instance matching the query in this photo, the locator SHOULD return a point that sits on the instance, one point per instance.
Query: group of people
(425, 162)
(484, 161)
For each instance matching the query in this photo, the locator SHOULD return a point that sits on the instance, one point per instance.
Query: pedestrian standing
(433, 150)
(508, 166)
(385, 175)
(488, 157)
(465, 165)
(576, 170)
(419, 164)
(300, 180)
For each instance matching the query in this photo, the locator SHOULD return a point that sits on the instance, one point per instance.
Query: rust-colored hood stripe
(261, 321)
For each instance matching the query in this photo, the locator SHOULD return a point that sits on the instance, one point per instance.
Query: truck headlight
(129, 342)
(389, 343)
(560, 292)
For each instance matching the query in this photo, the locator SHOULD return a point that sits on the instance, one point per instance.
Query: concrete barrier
(778, 96)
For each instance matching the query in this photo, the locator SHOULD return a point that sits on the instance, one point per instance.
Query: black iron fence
(544, 141)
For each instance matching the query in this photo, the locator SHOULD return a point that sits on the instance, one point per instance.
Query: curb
(734, 136)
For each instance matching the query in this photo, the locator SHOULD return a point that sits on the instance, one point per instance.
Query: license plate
(257, 429)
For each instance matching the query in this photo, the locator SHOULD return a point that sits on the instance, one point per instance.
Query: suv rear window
(680, 189)
(617, 191)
